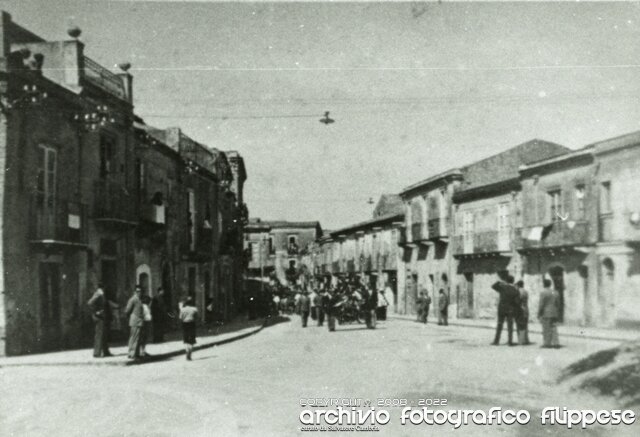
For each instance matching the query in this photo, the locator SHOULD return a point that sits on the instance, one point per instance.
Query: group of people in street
(423, 304)
(146, 316)
(513, 307)
(348, 299)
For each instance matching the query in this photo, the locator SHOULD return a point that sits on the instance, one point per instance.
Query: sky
(414, 88)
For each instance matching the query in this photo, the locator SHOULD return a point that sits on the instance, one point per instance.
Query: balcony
(418, 233)
(402, 236)
(57, 222)
(113, 205)
(99, 76)
(488, 242)
(604, 230)
(438, 228)
(202, 247)
(557, 234)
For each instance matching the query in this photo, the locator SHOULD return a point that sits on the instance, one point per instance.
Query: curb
(152, 359)
(535, 331)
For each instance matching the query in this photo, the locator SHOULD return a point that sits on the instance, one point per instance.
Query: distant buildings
(276, 248)
(90, 193)
(537, 210)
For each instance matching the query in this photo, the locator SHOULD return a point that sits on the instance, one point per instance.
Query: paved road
(254, 386)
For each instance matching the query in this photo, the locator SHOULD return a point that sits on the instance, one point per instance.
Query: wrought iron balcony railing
(113, 203)
(57, 221)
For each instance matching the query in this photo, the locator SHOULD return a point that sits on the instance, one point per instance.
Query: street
(254, 386)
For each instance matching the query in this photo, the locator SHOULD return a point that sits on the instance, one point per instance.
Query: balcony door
(46, 190)
(504, 227)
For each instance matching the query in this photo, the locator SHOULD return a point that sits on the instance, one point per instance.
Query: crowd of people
(347, 301)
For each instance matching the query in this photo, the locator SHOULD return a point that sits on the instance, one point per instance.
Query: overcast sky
(415, 89)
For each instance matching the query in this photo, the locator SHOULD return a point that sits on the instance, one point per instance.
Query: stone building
(190, 220)
(488, 216)
(276, 248)
(66, 187)
(560, 230)
(426, 261)
(91, 194)
(617, 183)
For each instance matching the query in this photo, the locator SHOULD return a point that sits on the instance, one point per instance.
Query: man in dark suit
(549, 315)
(508, 307)
(304, 308)
(135, 312)
(100, 313)
(443, 307)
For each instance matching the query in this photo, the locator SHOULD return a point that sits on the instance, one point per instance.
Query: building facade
(276, 249)
(426, 262)
(90, 194)
(487, 226)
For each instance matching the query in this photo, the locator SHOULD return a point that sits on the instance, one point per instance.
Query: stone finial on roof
(74, 32)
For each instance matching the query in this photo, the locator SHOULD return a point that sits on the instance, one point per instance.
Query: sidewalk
(173, 346)
(534, 327)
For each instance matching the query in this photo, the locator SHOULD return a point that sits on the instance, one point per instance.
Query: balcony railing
(402, 236)
(57, 221)
(113, 203)
(103, 78)
(438, 228)
(418, 232)
(605, 231)
(558, 234)
(292, 249)
(482, 242)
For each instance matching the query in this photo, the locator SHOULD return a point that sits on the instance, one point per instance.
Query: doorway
(608, 291)
(557, 277)
(468, 295)
(50, 323)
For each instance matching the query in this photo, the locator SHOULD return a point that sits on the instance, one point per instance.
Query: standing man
(135, 312)
(320, 306)
(383, 303)
(158, 315)
(523, 320)
(313, 299)
(549, 315)
(508, 307)
(420, 300)
(443, 306)
(304, 307)
(100, 313)
(333, 300)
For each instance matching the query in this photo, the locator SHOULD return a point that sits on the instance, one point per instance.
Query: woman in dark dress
(188, 314)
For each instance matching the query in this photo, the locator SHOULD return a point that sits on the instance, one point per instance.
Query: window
(47, 169)
(191, 219)
(141, 170)
(580, 193)
(272, 248)
(107, 156)
(555, 204)
(605, 197)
